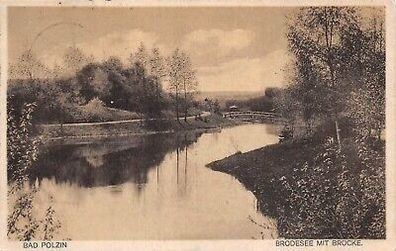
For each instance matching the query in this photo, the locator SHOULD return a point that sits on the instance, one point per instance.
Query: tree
(183, 82)
(316, 38)
(74, 60)
(212, 105)
(22, 223)
(156, 64)
(113, 64)
(133, 89)
(157, 69)
(175, 79)
(367, 103)
(57, 71)
(94, 82)
(28, 66)
(272, 92)
(140, 56)
(54, 98)
(342, 62)
(190, 83)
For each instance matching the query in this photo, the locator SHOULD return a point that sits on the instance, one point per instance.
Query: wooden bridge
(254, 116)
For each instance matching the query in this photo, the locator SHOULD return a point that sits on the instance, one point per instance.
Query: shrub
(95, 109)
(22, 223)
(335, 195)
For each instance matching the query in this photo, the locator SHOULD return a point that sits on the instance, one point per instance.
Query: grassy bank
(101, 130)
(210, 122)
(258, 169)
(298, 183)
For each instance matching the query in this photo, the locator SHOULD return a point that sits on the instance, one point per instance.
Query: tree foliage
(28, 66)
(74, 59)
(338, 75)
(138, 87)
(182, 81)
(22, 222)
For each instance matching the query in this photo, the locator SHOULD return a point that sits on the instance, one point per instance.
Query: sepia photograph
(196, 123)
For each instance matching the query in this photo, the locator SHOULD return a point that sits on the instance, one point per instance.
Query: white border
(388, 244)
(3, 120)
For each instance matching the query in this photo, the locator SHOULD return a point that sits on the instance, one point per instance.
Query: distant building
(233, 108)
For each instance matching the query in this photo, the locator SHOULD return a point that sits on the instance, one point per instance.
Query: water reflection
(110, 163)
(152, 187)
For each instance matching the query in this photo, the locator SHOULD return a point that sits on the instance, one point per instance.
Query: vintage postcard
(243, 125)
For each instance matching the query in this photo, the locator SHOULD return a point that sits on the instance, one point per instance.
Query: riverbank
(76, 131)
(295, 183)
(258, 169)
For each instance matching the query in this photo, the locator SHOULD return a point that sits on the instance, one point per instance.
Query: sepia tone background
(252, 40)
(155, 37)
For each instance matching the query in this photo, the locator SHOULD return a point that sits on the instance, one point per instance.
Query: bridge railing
(250, 113)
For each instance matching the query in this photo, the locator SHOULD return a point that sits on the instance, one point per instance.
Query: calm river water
(152, 187)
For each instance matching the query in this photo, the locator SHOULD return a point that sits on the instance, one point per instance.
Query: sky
(232, 48)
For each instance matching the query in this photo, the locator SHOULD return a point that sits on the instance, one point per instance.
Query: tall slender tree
(157, 69)
(190, 83)
(140, 56)
(182, 81)
(367, 103)
(316, 35)
(175, 79)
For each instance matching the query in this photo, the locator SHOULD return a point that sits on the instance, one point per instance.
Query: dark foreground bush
(339, 194)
